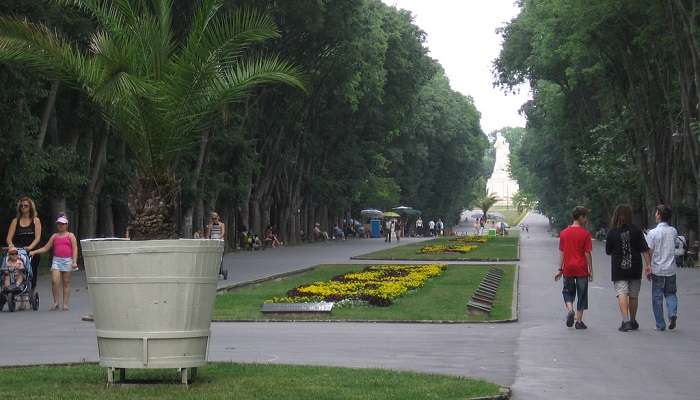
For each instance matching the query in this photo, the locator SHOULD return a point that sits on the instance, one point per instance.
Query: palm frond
(112, 15)
(226, 36)
(205, 12)
(234, 84)
(158, 96)
(36, 47)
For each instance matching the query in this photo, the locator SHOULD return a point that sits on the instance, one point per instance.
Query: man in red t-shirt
(575, 264)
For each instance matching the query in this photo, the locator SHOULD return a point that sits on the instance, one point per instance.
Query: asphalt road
(538, 356)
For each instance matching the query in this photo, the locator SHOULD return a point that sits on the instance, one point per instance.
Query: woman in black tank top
(25, 232)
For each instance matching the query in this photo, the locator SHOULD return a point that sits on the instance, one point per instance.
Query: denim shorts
(576, 287)
(62, 264)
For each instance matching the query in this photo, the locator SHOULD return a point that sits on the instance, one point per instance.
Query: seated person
(256, 243)
(271, 238)
(246, 239)
(349, 230)
(338, 233)
(15, 269)
(318, 234)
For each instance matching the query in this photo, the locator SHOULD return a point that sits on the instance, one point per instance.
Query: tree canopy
(613, 115)
(378, 125)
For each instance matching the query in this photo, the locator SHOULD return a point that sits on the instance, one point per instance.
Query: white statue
(502, 153)
(500, 182)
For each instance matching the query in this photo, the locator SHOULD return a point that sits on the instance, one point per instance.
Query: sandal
(65, 308)
(53, 307)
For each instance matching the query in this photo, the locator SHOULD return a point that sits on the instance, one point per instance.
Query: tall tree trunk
(231, 227)
(48, 111)
(106, 217)
(121, 219)
(256, 218)
(265, 211)
(88, 220)
(188, 215)
(324, 218)
(244, 217)
(88, 216)
(200, 216)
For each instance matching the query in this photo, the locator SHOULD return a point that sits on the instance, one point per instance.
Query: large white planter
(152, 300)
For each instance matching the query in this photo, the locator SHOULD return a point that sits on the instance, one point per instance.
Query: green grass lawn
(511, 214)
(500, 248)
(442, 298)
(241, 382)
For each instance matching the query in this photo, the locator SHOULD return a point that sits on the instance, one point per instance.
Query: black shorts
(576, 287)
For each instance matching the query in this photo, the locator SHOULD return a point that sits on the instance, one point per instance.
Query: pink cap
(62, 220)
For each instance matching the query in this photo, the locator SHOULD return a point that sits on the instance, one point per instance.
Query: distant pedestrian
(431, 226)
(576, 265)
(388, 230)
(65, 260)
(662, 272)
(216, 229)
(399, 230)
(625, 244)
(440, 227)
(419, 227)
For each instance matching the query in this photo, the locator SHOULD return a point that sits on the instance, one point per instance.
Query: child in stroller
(15, 271)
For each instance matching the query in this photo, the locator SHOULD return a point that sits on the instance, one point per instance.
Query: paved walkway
(538, 356)
(246, 266)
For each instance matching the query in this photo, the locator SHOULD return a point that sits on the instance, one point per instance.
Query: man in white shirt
(419, 227)
(662, 272)
(431, 226)
(388, 230)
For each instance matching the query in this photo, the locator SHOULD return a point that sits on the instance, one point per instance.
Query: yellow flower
(453, 248)
(470, 239)
(378, 284)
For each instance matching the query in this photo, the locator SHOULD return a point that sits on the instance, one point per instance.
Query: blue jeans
(663, 287)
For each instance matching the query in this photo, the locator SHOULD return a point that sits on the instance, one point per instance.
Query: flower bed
(470, 239)
(448, 248)
(378, 285)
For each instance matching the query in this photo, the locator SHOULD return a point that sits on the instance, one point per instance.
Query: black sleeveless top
(24, 235)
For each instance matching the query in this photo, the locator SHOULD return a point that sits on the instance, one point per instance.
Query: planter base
(187, 375)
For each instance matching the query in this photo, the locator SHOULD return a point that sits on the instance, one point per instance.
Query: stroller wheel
(35, 303)
(11, 303)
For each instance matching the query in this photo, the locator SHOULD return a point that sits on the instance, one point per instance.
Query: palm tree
(486, 202)
(158, 93)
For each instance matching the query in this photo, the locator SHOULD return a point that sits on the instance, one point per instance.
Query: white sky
(462, 36)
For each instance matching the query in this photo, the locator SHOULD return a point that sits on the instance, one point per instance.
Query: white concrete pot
(152, 300)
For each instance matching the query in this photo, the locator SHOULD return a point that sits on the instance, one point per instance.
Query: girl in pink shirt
(65, 260)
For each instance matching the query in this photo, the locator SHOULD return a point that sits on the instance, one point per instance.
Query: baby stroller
(17, 293)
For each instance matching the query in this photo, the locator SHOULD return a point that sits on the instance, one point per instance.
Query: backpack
(681, 246)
